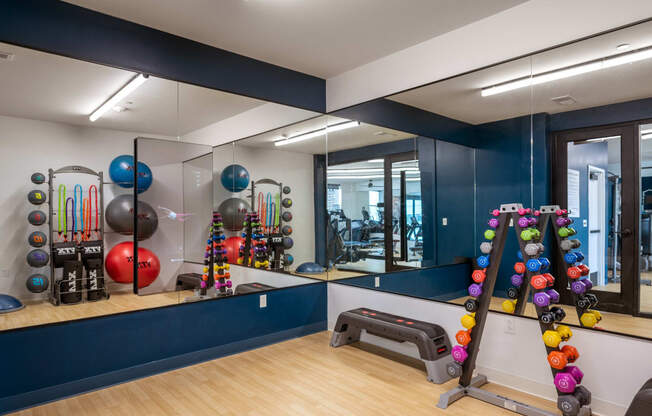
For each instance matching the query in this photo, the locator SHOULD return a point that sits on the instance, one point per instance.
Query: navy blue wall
(69, 30)
(45, 363)
(441, 283)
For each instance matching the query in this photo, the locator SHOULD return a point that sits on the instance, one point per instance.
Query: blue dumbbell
(579, 255)
(570, 258)
(483, 261)
(519, 255)
(533, 265)
(545, 263)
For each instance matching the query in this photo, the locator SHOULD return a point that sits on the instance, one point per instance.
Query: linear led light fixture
(135, 82)
(598, 139)
(370, 170)
(376, 161)
(570, 71)
(317, 133)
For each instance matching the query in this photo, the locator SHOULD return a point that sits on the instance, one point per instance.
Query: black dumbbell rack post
(246, 250)
(469, 385)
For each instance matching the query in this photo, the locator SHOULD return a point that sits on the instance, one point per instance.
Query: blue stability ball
(121, 172)
(310, 268)
(235, 178)
(9, 304)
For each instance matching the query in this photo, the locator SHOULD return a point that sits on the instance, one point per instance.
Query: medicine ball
(287, 242)
(286, 190)
(120, 217)
(37, 178)
(288, 259)
(235, 178)
(37, 217)
(38, 258)
(37, 283)
(233, 212)
(287, 202)
(36, 197)
(121, 171)
(119, 264)
(37, 239)
(286, 230)
(287, 216)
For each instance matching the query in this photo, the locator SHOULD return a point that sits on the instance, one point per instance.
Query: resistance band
(278, 211)
(97, 216)
(72, 215)
(268, 212)
(86, 232)
(78, 203)
(271, 217)
(60, 220)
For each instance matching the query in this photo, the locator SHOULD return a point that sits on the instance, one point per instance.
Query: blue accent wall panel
(69, 30)
(602, 115)
(82, 355)
(439, 283)
(428, 174)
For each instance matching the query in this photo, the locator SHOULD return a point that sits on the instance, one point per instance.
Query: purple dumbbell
(545, 298)
(459, 354)
(493, 223)
(532, 221)
(203, 284)
(517, 279)
(523, 222)
(219, 285)
(475, 290)
(259, 249)
(581, 286)
(554, 295)
(567, 380)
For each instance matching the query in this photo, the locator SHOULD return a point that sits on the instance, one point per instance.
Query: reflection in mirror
(265, 192)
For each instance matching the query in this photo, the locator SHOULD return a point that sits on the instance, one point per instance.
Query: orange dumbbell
(463, 337)
(520, 267)
(560, 359)
(539, 281)
(479, 275)
(574, 272)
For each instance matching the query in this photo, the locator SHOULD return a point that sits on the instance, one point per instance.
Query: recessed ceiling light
(623, 46)
(119, 109)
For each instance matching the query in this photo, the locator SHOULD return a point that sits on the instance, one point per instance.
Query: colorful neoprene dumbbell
(552, 338)
(539, 281)
(489, 234)
(587, 300)
(509, 305)
(219, 285)
(555, 314)
(516, 279)
(493, 222)
(568, 379)
(545, 263)
(533, 265)
(573, 272)
(468, 320)
(486, 247)
(560, 359)
(463, 337)
(475, 290)
(590, 318)
(523, 222)
(459, 354)
(483, 261)
(471, 305)
(513, 292)
(479, 275)
(519, 267)
(581, 286)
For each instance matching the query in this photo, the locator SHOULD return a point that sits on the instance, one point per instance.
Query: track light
(317, 133)
(570, 71)
(135, 82)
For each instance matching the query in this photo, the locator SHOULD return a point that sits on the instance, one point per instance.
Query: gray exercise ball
(36, 197)
(233, 212)
(38, 258)
(120, 217)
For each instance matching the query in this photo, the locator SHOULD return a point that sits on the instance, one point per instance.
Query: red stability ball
(232, 246)
(119, 264)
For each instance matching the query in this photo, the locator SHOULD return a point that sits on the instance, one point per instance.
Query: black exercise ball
(287, 202)
(37, 258)
(37, 239)
(120, 217)
(287, 216)
(286, 190)
(233, 212)
(36, 197)
(37, 283)
(37, 178)
(37, 217)
(286, 230)
(287, 243)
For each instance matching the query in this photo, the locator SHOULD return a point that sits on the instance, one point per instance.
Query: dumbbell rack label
(469, 385)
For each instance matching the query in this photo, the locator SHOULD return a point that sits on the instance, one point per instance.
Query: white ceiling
(351, 138)
(460, 98)
(42, 86)
(319, 37)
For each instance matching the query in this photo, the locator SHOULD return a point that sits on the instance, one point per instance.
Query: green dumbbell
(527, 235)
(564, 232)
(489, 234)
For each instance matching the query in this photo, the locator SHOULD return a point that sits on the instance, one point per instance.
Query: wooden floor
(303, 377)
(43, 312)
(624, 324)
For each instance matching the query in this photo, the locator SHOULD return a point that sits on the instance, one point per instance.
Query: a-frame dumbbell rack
(469, 385)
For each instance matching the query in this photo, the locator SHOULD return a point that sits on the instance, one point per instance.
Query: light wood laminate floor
(303, 376)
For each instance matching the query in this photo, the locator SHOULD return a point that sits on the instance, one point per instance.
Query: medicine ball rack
(74, 287)
(571, 404)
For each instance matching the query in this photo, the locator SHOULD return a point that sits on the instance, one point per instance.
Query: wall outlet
(510, 326)
(263, 301)
(585, 223)
(377, 281)
(444, 221)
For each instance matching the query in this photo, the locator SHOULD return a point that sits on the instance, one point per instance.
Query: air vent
(564, 100)
(6, 56)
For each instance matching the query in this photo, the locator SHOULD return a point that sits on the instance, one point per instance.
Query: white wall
(29, 146)
(614, 366)
(291, 169)
(520, 30)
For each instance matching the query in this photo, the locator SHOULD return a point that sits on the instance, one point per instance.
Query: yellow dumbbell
(240, 260)
(552, 338)
(205, 269)
(590, 318)
(224, 267)
(509, 305)
(468, 320)
(259, 264)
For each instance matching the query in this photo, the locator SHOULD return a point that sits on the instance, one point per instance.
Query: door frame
(602, 218)
(627, 301)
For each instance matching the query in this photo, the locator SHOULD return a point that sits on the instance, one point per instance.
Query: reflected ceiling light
(370, 170)
(317, 133)
(598, 139)
(376, 161)
(135, 82)
(623, 46)
(646, 136)
(369, 177)
(570, 71)
(646, 131)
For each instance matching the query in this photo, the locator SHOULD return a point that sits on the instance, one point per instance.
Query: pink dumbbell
(495, 212)
(524, 211)
(459, 354)
(493, 223)
(567, 380)
(219, 285)
(523, 222)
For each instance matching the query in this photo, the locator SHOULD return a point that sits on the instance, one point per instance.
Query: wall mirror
(69, 132)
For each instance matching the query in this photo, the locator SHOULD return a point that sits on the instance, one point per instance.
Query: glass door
(595, 178)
